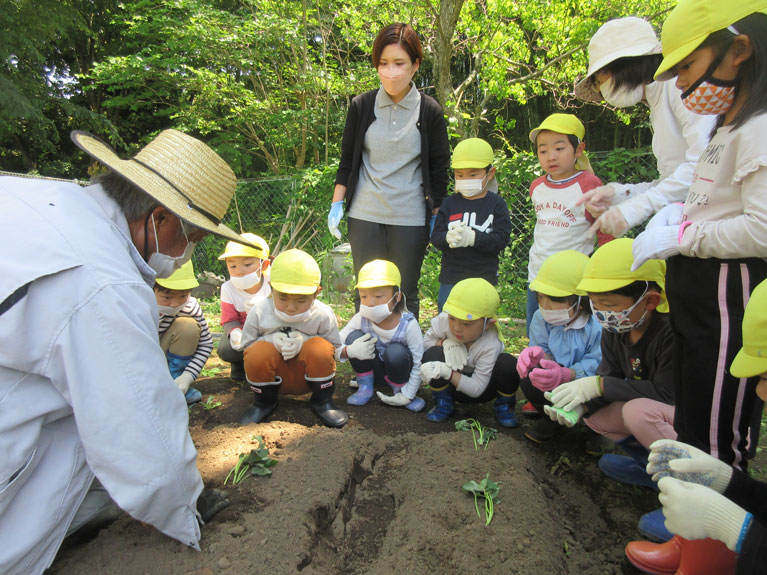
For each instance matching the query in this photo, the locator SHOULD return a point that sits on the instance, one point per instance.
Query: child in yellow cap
(472, 226)
(383, 343)
(248, 283)
(561, 224)
(564, 336)
(464, 359)
(714, 510)
(290, 342)
(184, 334)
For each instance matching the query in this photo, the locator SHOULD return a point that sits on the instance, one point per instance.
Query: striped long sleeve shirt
(204, 347)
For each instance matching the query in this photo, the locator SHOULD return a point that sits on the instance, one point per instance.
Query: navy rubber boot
(626, 470)
(504, 411)
(652, 526)
(444, 405)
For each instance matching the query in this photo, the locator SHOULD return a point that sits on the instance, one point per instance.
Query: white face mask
(246, 281)
(168, 310)
(470, 188)
(163, 264)
(287, 318)
(376, 313)
(558, 316)
(623, 97)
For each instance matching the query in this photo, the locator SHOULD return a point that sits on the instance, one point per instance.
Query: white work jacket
(85, 389)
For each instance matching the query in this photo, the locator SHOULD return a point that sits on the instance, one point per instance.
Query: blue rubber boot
(652, 526)
(631, 447)
(504, 411)
(626, 470)
(444, 405)
(192, 396)
(364, 391)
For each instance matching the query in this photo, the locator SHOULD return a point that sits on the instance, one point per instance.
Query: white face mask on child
(558, 316)
(246, 281)
(287, 318)
(470, 188)
(376, 313)
(168, 310)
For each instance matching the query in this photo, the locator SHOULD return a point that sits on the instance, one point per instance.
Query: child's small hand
(432, 370)
(184, 380)
(549, 375)
(363, 347)
(460, 237)
(528, 359)
(292, 345)
(455, 354)
(235, 338)
(396, 400)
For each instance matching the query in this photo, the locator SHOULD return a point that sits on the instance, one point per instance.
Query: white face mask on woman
(622, 97)
(163, 264)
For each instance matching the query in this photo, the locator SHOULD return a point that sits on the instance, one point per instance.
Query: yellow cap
(565, 124)
(472, 298)
(692, 21)
(182, 279)
(560, 274)
(378, 273)
(609, 269)
(296, 272)
(472, 153)
(238, 250)
(752, 358)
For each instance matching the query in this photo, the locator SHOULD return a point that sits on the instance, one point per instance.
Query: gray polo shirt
(390, 189)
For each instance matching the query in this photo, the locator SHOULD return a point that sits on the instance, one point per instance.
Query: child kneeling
(463, 360)
(290, 342)
(383, 344)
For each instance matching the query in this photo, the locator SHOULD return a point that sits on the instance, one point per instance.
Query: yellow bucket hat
(560, 274)
(238, 250)
(751, 360)
(692, 21)
(472, 298)
(378, 273)
(182, 279)
(472, 153)
(609, 269)
(565, 124)
(295, 272)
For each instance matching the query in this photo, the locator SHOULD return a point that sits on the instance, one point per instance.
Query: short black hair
(634, 71)
(572, 138)
(635, 290)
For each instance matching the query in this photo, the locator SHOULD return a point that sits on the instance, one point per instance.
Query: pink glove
(549, 375)
(528, 359)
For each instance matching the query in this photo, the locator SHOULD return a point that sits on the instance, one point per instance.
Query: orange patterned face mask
(709, 96)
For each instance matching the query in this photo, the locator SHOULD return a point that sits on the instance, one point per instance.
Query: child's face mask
(246, 281)
(377, 313)
(168, 310)
(559, 317)
(619, 321)
(470, 188)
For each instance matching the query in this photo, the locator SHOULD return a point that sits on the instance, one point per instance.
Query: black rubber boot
(264, 402)
(237, 373)
(322, 403)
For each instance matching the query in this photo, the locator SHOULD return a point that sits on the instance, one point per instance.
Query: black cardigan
(435, 149)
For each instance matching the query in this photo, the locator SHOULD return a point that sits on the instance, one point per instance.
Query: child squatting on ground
(564, 336)
(473, 226)
(290, 342)
(463, 360)
(560, 224)
(248, 283)
(183, 331)
(383, 343)
(717, 513)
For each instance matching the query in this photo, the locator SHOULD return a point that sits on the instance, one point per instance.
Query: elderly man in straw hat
(89, 414)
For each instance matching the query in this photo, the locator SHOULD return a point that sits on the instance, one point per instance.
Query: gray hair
(134, 202)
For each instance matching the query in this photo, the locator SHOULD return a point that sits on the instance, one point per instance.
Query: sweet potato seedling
(481, 434)
(487, 490)
(257, 462)
(212, 403)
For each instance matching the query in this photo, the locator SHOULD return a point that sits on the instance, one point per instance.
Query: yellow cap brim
(181, 285)
(546, 289)
(466, 164)
(745, 365)
(665, 70)
(293, 288)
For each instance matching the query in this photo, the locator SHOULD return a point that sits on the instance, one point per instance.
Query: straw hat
(180, 172)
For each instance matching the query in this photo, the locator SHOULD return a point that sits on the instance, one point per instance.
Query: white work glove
(697, 512)
(610, 222)
(184, 380)
(562, 417)
(396, 400)
(576, 392)
(454, 234)
(363, 347)
(597, 200)
(462, 237)
(687, 463)
(657, 243)
(292, 345)
(670, 215)
(277, 339)
(235, 339)
(455, 354)
(432, 370)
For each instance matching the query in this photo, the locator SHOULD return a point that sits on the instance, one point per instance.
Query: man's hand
(210, 502)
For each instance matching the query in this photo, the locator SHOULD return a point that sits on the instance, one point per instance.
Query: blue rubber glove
(431, 223)
(656, 243)
(334, 218)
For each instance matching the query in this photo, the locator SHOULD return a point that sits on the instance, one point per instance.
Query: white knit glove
(184, 380)
(235, 338)
(454, 234)
(670, 215)
(656, 243)
(364, 347)
(464, 240)
(687, 463)
(576, 392)
(696, 512)
(456, 354)
(396, 400)
(432, 370)
(562, 417)
(277, 339)
(292, 345)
